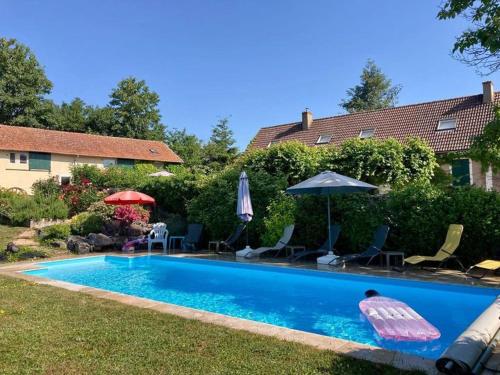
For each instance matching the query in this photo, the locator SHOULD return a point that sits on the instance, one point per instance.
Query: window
(324, 138)
(23, 158)
(127, 163)
(108, 163)
(12, 157)
(39, 161)
(153, 151)
(272, 143)
(64, 180)
(366, 133)
(448, 124)
(460, 172)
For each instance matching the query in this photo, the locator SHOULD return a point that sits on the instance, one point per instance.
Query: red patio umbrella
(129, 197)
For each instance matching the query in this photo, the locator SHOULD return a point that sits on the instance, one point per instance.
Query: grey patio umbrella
(327, 183)
(244, 208)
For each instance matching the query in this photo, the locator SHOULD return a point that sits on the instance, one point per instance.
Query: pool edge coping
(352, 349)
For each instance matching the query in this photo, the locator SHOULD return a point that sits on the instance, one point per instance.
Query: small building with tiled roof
(447, 125)
(31, 154)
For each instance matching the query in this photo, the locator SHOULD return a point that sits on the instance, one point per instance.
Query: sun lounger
(446, 252)
(231, 240)
(280, 245)
(488, 265)
(323, 250)
(378, 242)
(193, 237)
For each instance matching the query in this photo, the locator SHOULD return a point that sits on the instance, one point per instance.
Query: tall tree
(135, 109)
(478, 46)
(220, 149)
(188, 146)
(73, 116)
(375, 91)
(23, 85)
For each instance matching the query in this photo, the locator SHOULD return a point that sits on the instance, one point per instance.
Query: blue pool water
(321, 302)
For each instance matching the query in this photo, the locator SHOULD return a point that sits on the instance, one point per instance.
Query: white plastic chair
(159, 234)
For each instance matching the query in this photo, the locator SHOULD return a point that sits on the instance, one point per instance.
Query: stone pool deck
(352, 349)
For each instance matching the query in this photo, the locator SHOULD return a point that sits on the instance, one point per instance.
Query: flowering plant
(128, 214)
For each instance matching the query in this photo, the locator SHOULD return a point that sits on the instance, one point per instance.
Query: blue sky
(260, 62)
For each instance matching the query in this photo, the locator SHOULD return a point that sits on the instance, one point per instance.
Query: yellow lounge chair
(485, 265)
(446, 251)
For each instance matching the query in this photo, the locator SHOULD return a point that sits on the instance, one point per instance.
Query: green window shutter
(39, 161)
(460, 172)
(128, 163)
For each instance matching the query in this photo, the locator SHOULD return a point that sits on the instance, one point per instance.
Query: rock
(11, 248)
(78, 245)
(112, 227)
(138, 228)
(99, 241)
(58, 243)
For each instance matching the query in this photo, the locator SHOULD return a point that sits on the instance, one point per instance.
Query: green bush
(85, 223)
(55, 232)
(19, 209)
(101, 209)
(215, 205)
(173, 193)
(48, 188)
(280, 213)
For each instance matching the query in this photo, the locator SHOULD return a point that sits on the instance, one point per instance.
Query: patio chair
(231, 240)
(378, 242)
(323, 249)
(159, 234)
(280, 245)
(488, 265)
(445, 253)
(193, 237)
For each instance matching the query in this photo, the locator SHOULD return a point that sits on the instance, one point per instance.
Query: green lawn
(49, 330)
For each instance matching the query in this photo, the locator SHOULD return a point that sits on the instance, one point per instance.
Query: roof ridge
(71, 132)
(378, 110)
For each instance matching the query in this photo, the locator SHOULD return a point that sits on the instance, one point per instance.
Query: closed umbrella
(244, 204)
(327, 183)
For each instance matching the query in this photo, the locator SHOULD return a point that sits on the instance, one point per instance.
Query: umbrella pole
(329, 231)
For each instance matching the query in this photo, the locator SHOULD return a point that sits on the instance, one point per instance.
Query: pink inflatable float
(395, 320)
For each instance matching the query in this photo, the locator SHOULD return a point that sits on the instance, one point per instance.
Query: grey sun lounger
(193, 237)
(280, 245)
(323, 249)
(378, 242)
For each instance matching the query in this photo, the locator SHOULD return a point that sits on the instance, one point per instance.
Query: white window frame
(470, 173)
(489, 179)
(370, 135)
(319, 141)
(447, 124)
(64, 176)
(272, 143)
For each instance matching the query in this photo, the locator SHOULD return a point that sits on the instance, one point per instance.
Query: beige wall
(19, 175)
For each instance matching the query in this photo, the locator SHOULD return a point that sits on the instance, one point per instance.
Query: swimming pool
(320, 302)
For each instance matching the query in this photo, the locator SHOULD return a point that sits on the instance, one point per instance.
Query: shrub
(172, 194)
(80, 197)
(129, 213)
(56, 232)
(48, 188)
(103, 210)
(85, 223)
(18, 209)
(280, 213)
(215, 206)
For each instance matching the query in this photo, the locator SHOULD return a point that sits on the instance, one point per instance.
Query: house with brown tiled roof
(447, 125)
(30, 154)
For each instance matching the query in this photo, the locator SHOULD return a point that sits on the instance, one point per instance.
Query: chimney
(307, 119)
(488, 92)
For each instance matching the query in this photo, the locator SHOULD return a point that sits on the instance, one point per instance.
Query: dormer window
(323, 139)
(448, 124)
(272, 143)
(153, 151)
(366, 133)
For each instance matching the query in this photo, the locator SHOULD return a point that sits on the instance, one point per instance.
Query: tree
(478, 46)
(135, 111)
(374, 91)
(486, 147)
(73, 116)
(220, 149)
(188, 146)
(23, 85)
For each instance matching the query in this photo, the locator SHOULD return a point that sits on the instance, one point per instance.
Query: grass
(49, 330)
(8, 233)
